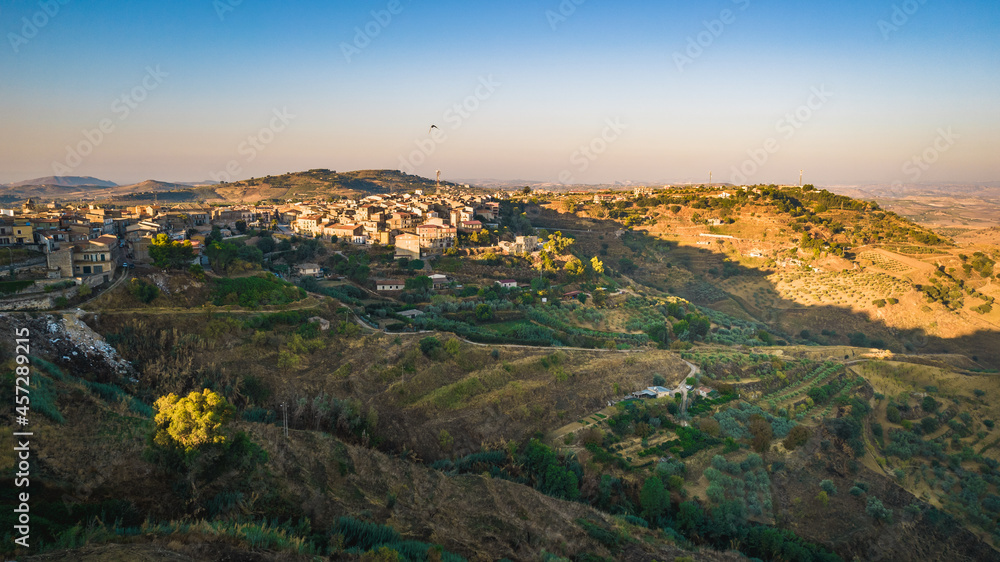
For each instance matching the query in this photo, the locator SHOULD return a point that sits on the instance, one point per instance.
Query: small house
(390, 285)
(507, 283)
(306, 269)
(660, 391)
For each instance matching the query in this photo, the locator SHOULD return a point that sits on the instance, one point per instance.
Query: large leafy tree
(190, 422)
(169, 254)
(655, 500)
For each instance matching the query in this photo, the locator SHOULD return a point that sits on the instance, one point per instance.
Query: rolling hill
(321, 183)
(64, 181)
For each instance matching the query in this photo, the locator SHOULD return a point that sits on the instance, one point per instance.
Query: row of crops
(844, 387)
(818, 375)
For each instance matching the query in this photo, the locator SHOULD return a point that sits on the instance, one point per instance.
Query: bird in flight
(432, 128)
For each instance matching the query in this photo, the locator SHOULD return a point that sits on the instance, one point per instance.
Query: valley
(819, 377)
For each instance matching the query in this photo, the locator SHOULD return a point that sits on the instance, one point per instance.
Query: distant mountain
(65, 181)
(196, 183)
(495, 183)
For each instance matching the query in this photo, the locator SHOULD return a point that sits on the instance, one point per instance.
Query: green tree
(221, 255)
(145, 292)
(169, 254)
(266, 244)
(877, 510)
(655, 500)
(929, 404)
(429, 345)
(420, 283)
(893, 415)
(484, 312)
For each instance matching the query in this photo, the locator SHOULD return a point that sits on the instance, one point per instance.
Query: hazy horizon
(850, 92)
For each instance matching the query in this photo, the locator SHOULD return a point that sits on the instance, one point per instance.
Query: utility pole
(284, 412)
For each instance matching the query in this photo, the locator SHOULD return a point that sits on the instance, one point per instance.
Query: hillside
(64, 181)
(70, 191)
(322, 183)
(312, 184)
(826, 374)
(796, 259)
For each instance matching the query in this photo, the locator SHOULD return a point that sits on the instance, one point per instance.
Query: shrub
(828, 486)
(251, 292)
(429, 345)
(929, 404)
(796, 437)
(877, 510)
(893, 415)
(143, 291)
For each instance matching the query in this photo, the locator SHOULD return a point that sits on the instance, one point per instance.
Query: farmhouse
(308, 269)
(390, 285)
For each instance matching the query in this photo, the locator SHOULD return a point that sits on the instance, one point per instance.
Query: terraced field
(845, 288)
(793, 392)
(884, 262)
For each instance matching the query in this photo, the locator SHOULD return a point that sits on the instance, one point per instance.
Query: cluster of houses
(89, 243)
(417, 225)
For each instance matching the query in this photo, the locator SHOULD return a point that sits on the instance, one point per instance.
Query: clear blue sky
(556, 84)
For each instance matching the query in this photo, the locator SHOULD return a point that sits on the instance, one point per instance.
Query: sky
(570, 91)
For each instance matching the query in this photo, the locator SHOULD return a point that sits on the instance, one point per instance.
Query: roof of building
(106, 239)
